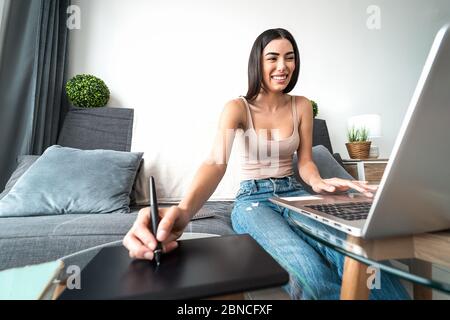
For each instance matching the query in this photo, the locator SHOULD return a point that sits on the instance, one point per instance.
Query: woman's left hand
(341, 185)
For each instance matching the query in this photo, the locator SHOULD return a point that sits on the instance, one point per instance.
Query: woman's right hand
(141, 243)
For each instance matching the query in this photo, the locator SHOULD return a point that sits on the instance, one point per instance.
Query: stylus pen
(154, 217)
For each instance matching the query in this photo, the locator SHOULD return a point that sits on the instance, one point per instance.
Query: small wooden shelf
(370, 170)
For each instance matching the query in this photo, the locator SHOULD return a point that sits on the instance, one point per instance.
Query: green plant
(87, 91)
(364, 134)
(315, 108)
(357, 135)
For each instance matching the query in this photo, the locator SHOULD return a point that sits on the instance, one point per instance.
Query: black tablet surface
(198, 268)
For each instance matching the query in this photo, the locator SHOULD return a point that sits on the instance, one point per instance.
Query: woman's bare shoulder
(234, 112)
(303, 105)
(301, 100)
(235, 105)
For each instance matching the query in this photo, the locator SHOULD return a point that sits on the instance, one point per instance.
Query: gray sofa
(32, 240)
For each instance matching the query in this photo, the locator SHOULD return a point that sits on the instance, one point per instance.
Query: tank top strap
(294, 113)
(249, 114)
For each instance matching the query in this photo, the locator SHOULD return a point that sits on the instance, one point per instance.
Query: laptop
(414, 192)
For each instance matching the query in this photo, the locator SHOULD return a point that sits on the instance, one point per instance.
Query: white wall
(178, 62)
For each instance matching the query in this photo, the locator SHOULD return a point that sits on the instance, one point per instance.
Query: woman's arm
(139, 241)
(212, 170)
(307, 169)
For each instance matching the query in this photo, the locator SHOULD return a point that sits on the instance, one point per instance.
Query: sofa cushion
(32, 240)
(97, 128)
(321, 135)
(217, 218)
(67, 180)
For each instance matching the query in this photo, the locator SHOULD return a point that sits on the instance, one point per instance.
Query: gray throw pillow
(134, 189)
(23, 163)
(67, 180)
(327, 165)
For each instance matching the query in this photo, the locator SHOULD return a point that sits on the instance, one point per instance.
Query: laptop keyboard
(346, 211)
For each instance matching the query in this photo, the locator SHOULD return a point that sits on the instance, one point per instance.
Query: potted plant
(315, 108)
(358, 146)
(87, 91)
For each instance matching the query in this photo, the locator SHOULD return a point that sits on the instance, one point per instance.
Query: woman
(276, 125)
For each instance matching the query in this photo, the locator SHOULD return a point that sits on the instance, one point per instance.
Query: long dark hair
(255, 64)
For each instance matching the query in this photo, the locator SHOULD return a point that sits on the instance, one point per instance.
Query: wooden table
(429, 249)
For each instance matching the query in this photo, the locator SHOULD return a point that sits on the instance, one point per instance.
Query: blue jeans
(315, 270)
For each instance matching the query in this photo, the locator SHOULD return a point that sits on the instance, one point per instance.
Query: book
(35, 282)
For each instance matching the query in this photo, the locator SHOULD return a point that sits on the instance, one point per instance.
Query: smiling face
(278, 65)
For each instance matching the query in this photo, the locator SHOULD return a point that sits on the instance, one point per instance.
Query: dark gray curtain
(32, 65)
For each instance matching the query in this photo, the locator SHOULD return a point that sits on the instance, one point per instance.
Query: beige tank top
(264, 158)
